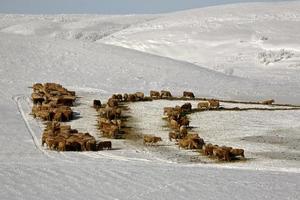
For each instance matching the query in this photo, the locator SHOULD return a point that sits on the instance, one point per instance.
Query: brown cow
(168, 110)
(50, 141)
(165, 94)
(103, 120)
(104, 145)
(192, 135)
(117, 122)
(188, 94)
(237, 152)
(114, 131)
(90, 144)
(174, 135)
(214, 103)
(125, 97)
(65, 100)
(222, 153)
(119, 97)
(109, 130)
(112, 102)
(187, 107)
(58, 117)
(73, 142)
(185, 143)
(174, 124)
(208, 149)
(37, 87)
(150, 139)
(61, 146)
(115, 96)
(154, 94)
(110, 113)
(184, 121)
(174, 114)
(197, 143)
(97, 104)
(140, 96)
(64, 127)
(37, 98)
(67, 113)
(46, 134)
(44, 115)
(132, 97)
(183, 131)
(268, 102)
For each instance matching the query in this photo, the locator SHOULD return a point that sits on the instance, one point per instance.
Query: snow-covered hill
(255, 41)
(243, 51)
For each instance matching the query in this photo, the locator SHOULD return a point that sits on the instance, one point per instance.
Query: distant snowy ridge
(231, 39)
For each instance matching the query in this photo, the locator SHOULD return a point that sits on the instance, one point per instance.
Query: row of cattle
(140, 96)
(179, 123)
(192, 140)
(110, 121)
(63, 138)
(51, 102)
(52, 92)
(165, 94)
(50, 112)
(222, 152)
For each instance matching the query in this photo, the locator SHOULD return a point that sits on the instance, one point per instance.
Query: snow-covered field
(241, 51)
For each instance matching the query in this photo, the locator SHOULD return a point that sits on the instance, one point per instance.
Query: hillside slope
(255, 41)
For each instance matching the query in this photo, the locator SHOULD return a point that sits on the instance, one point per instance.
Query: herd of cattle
(63, 138)
(179, 123)
(51, 103)
(111, 122)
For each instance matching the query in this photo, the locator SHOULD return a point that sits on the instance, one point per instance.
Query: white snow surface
(241, 51)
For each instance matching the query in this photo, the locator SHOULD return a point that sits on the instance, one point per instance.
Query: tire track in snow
(17, 99)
